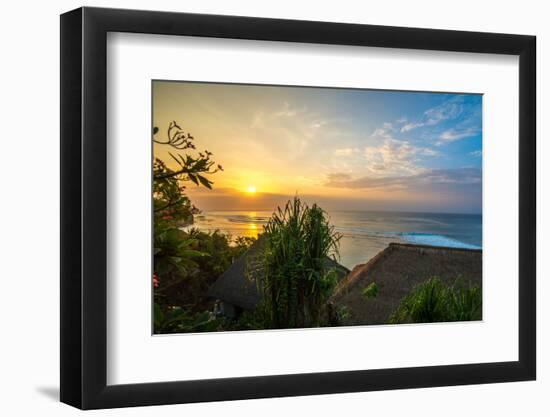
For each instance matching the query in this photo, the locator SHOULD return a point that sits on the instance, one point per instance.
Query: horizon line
(366, 210)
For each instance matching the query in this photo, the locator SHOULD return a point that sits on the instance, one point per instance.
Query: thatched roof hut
(396, 271)
(237, 287)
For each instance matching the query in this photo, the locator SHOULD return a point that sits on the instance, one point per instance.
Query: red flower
(156, 281)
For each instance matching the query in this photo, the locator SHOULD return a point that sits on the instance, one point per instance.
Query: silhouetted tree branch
(190, 168)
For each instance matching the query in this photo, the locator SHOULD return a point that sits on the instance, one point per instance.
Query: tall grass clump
(432, 302)
(465, 303)
(297, 280)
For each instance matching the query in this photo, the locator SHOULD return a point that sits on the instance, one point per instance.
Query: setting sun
(251, 189)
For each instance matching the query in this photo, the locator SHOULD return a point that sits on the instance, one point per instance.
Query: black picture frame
(84, 207)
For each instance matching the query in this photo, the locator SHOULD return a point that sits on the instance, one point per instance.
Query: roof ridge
(437, 248)
(360, 269)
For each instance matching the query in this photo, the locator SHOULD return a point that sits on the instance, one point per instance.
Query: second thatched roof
(396, 271)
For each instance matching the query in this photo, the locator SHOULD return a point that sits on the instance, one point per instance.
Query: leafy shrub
(248, 320)
(336, 315)
(432, 302)
(370, 291)
(174, 251)
(221, 249)
(187, 263)
(170, 204)
(297, 281)
(178, 320)
(465, 303)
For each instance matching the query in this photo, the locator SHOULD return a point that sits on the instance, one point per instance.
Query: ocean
(365, 233)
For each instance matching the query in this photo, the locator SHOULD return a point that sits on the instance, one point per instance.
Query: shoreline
(355, 249)
(364, 233)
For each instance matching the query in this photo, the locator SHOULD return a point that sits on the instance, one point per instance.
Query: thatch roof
(238, 286)
(396, 271)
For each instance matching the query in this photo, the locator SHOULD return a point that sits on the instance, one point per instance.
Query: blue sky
(345, 149)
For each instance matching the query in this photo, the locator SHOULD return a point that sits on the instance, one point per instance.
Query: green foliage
(221, 249)
(190, 168)
(174, 251)
(370, 291)
(188, 262)
(170, 202)
(176, 262)
(425, 304)
(465, 303)
(171, 205)
(178, 320)
(432, 301)
(341, 315)
(296, 281)
(248, 320)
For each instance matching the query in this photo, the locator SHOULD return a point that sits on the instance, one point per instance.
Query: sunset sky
(344, 149)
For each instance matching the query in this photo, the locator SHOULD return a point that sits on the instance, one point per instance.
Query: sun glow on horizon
(343, 149)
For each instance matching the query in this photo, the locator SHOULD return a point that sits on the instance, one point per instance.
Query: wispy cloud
(461, 176)
(292, 130)
(451, 135)
(450, 109)
(477, 153)
(393, 155)
(338, 176)
(411, 126)
(346, 151)
(290, 111)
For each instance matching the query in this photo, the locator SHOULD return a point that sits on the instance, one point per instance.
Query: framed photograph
(256, 208)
